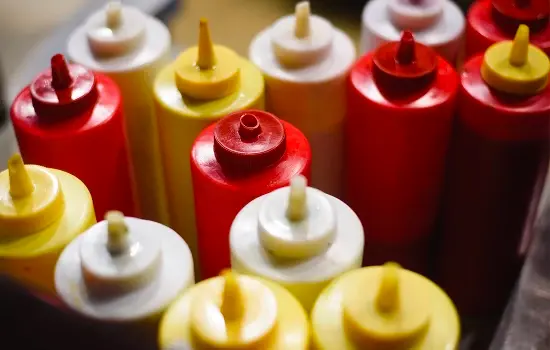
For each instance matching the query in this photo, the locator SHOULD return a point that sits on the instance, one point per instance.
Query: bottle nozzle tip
(302, 15)
(116, 230)
(405, 49)
(232, 307)
(20, 181)
(297, 201)
(520, 46)
(113, 13)
(206, 58)
(61, 75)
(387, 299)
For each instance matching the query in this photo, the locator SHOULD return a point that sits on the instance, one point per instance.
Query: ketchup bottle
(243, 156)
(492, 21)
(496, 173)
(70, 119)
(401, 105)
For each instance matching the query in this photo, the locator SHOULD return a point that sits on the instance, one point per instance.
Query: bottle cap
(63, 90)
(207, 71)
(249, 140)
(523, 10)
(116, 30)
(405, 59)
(302, 39)
(386, 311)
(516, 67)
(116, 259)
(415, 14)
(239, 313)
(298, 222)
(30, 198)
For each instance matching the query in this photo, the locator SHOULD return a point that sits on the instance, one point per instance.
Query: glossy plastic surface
(484, 28)
(78, 129)
(235, 312)
(221, 191)
(181, 118)
(496, 173)
(305, 72)
(131, 53)
(399, 128)
(384, 307)
(41, 211)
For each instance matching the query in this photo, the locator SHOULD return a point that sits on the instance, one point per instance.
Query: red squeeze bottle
(70, 119)
(496, 173)
(243, 156)
(401, 102)
(492, 21)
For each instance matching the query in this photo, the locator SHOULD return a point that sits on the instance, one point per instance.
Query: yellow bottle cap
(30, 198)
(385, 311)
(207, 71)
(241, 313)
(516, 67)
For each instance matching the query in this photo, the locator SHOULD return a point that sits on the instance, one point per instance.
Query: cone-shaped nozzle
(206, 58)
(20, 182)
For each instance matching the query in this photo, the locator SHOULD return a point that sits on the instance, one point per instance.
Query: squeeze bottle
(298, 237)
(305, 62)
(235, 312)
(124, 269)
(438, 24)
(401, 102)
(41, 211)
(243, 156)
(71, 119)
(496, 173)
(491, 21)
(384, 307)
(205, 83)
(131, 47)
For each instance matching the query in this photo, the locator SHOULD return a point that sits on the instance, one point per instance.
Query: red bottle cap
(63, 90)
(396, 64)
(523, 10)
(249, 140)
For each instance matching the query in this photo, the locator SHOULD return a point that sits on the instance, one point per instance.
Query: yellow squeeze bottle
(235, 312)
(41, 211)
(384, 307)
(204, 84)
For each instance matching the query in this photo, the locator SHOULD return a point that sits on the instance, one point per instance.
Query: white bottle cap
(301, 39)
(415, 14)
(123, 269)
(116, 30)
(296, 222)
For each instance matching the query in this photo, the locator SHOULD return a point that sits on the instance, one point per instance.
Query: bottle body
(396, 149)
(180, 122)
(497, 170)
(222, 194)
(90, 145)
(134, 73)
(312, 98)
(444, 34)
(482, 31)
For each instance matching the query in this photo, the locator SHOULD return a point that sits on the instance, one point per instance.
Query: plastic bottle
(243, 156)
(384, 307)
(204, 84)
(71, 119)
(41, 211)
(438, 24)
(124, 270)
(305, 62)
(496, 173)
(235, 312)
(491, 21)
(401, 102)
(131, 47)
(298, 237)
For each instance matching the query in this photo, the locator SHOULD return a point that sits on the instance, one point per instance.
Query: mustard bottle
(235, 312)
(41, 211)
(384, 307)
